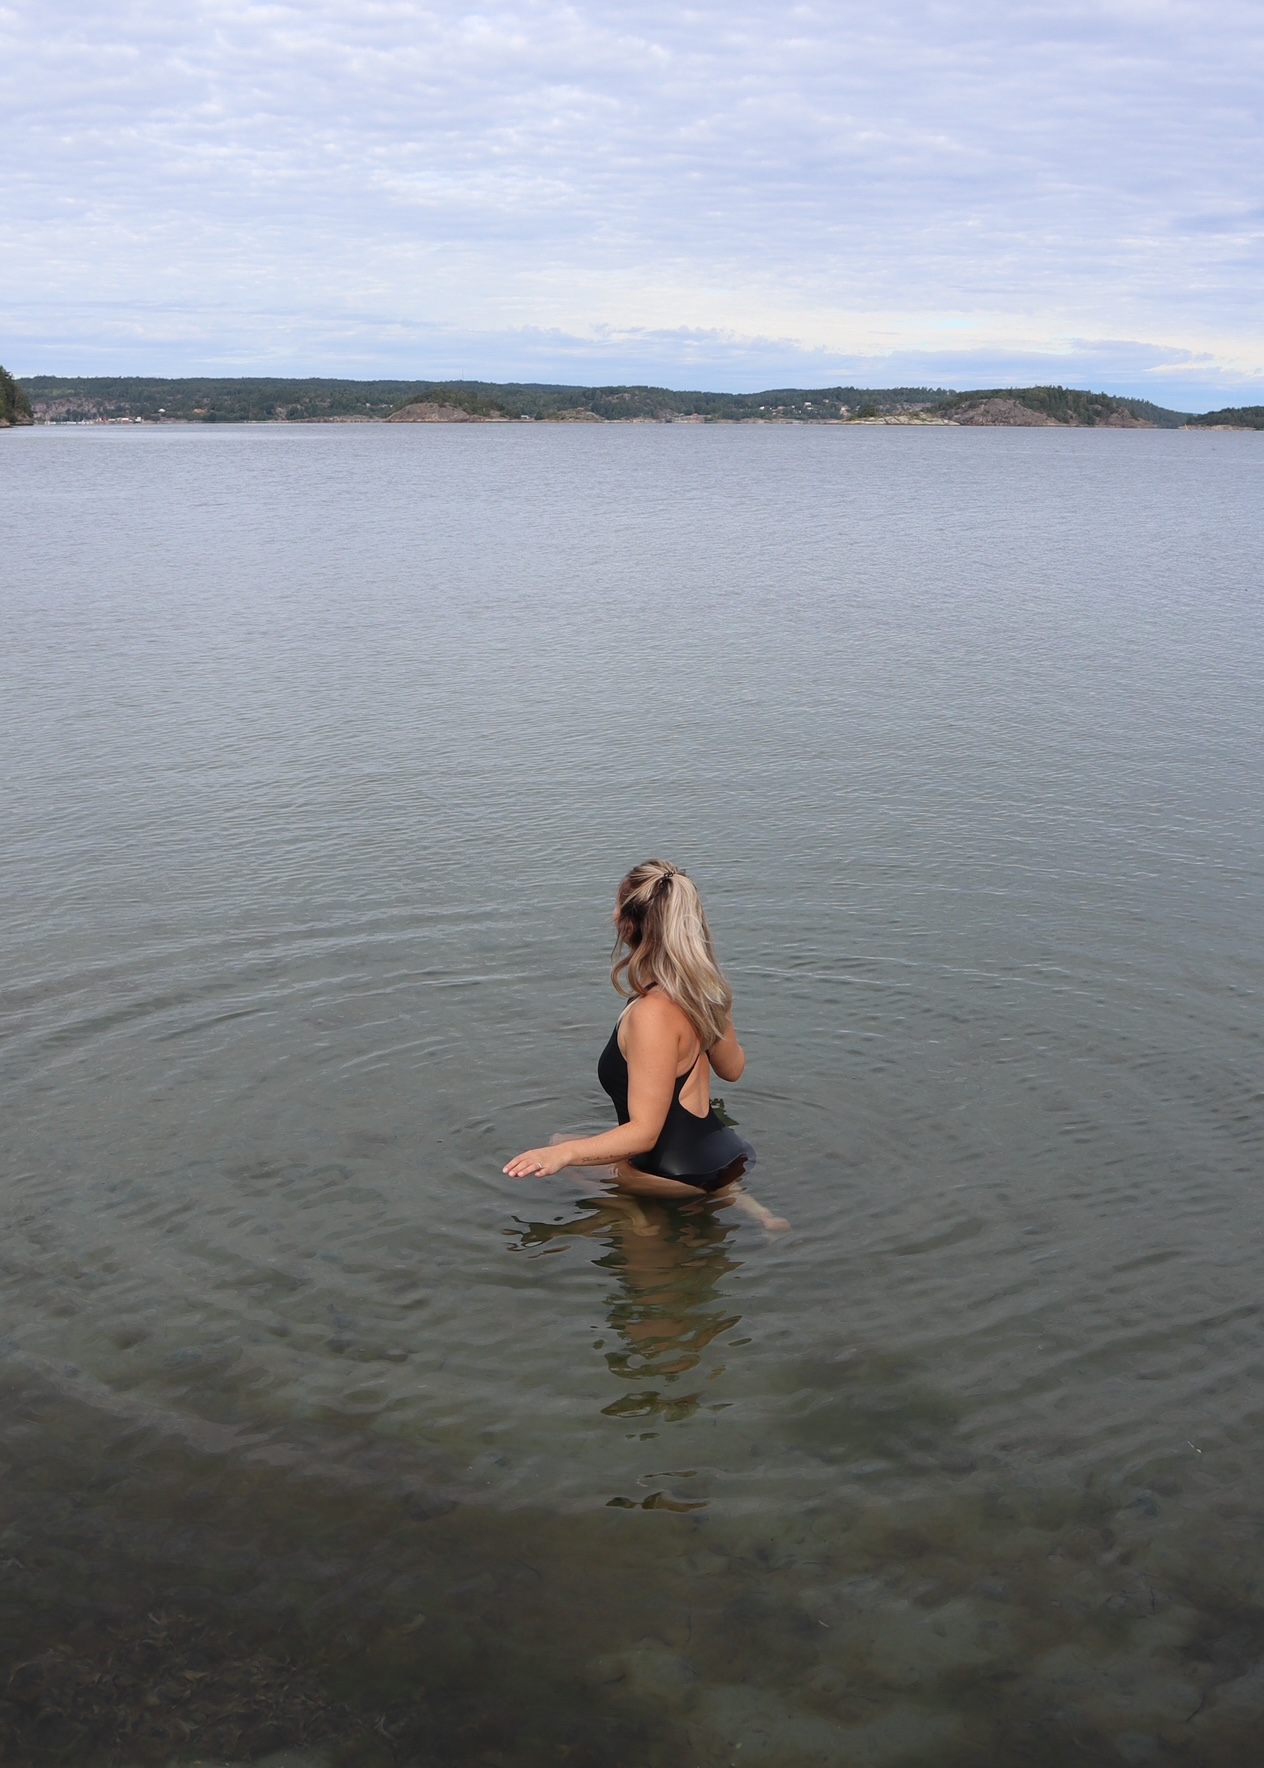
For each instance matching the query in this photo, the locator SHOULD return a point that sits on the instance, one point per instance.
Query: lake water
(325, 748)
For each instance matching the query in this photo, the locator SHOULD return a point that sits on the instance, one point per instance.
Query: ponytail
(668, 944)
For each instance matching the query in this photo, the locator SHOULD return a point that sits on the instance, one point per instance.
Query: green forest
(15, 407)
(1241, 417)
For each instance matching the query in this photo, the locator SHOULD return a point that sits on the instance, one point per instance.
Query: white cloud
(705, 190)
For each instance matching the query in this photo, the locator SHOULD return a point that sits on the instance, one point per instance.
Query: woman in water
(657, 1067)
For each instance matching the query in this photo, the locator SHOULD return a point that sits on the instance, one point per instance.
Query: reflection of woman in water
(668, 1306)
(676, 1032)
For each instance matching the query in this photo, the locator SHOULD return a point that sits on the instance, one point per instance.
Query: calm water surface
(324, 750)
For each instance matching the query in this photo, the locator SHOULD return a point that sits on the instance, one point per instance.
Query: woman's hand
(541, 1162)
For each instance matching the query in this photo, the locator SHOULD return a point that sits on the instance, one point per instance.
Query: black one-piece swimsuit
(699, 1151)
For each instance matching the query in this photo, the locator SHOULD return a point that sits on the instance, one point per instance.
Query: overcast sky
(736, 195)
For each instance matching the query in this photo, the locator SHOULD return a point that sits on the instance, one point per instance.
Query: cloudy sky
(735, 195)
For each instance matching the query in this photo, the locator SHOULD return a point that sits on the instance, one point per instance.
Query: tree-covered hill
(1064, 405)
(14, 406)
(1233, 417)
(206, 399)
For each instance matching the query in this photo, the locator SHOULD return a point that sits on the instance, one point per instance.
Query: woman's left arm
(727, 1057)
(653, 1043)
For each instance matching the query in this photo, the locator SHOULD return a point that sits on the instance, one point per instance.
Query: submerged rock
(649, 1672)
(766, 1728)
(910, 1647)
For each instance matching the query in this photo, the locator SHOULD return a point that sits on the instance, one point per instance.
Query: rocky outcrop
(913, 415)
(427, 412)
(1061, 408)
(1124, 419)
(574, 414)
(1003, 411)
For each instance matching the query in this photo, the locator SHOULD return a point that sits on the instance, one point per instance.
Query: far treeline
(57, 398)
(257, 399)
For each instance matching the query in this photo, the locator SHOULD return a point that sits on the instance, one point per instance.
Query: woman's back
(694, 1145)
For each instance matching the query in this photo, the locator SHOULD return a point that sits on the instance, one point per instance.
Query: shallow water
(326, 747)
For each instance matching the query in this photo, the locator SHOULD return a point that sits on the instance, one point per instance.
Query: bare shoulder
(654, 1016)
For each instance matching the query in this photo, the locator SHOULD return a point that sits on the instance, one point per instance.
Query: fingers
(533, 1161)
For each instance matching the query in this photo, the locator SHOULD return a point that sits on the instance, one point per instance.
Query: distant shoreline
(102, 399)
(835, 423)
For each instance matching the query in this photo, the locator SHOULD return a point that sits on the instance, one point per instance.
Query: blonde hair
(668, 943)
